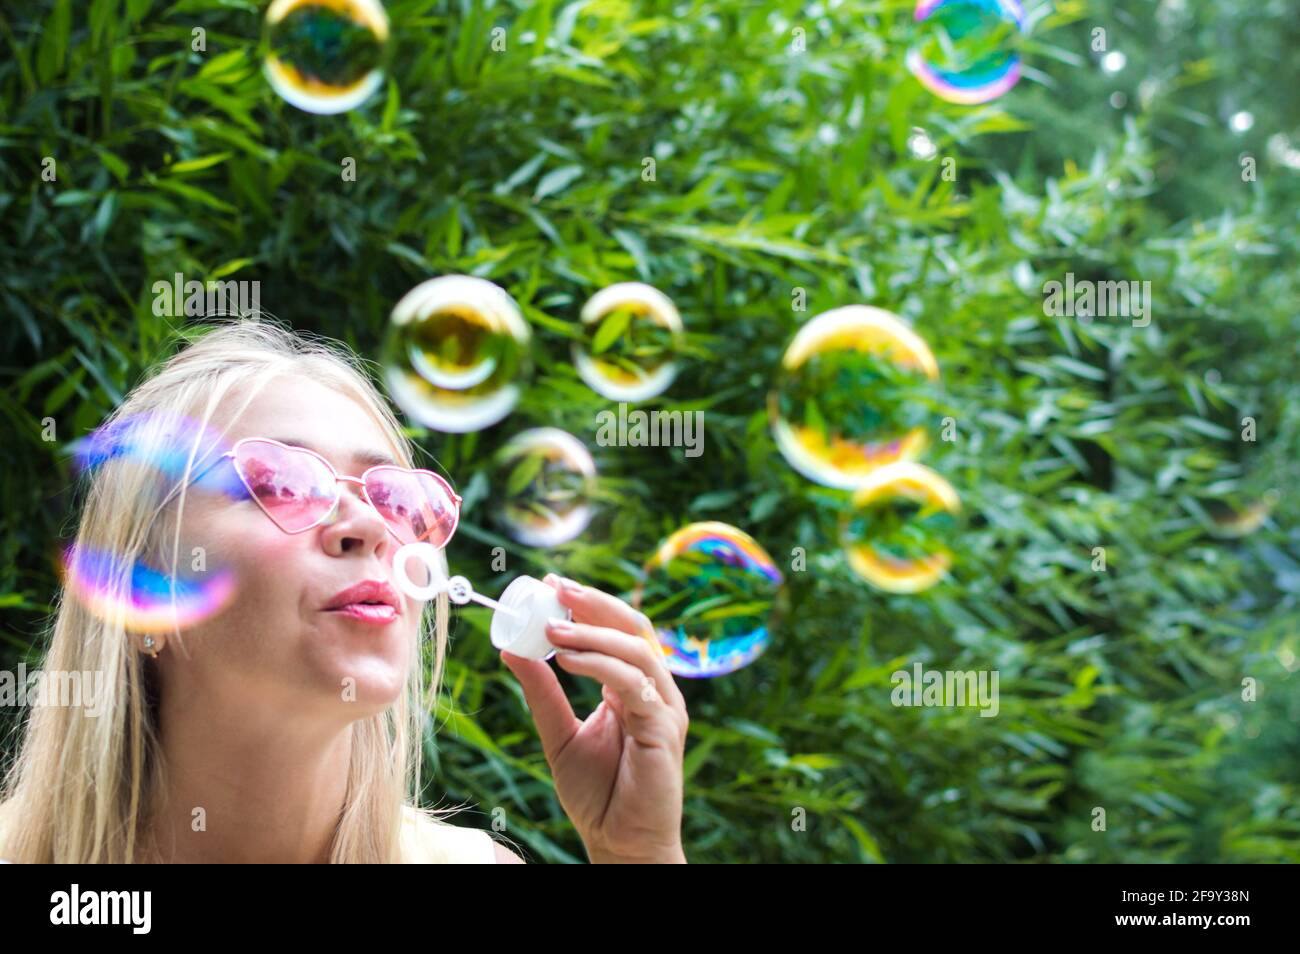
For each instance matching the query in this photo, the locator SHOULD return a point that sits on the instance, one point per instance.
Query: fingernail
(570, 585)
(561, 626)
(549, 577)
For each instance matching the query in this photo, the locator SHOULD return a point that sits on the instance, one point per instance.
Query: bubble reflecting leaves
(545, 479)
(456, 353)
(854, 392)
(712, 593)
(894, 531)
(325, 56)
(631, 335)
(966, 51)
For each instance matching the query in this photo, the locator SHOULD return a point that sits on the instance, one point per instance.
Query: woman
(286, 725)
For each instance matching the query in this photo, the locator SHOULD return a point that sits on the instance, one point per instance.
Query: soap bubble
(545, 479)
(144, 599)
(851, 395)
(325, 56)
(966, 53)
(456, 350)
(164, 443)
(892, 531)
(632, 332)
(711, 591)
(1229, 522)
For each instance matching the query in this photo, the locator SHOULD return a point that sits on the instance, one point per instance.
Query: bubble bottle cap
(523, 632)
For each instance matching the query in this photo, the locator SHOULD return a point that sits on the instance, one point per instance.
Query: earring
(149, 646)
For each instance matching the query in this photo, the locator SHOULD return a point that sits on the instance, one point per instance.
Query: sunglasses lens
(293, 487)
(417, 506)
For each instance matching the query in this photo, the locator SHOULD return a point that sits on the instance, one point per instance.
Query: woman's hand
(618, 773)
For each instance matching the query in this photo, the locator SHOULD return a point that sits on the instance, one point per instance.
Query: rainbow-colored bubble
(456, 353)
(893, 531)
(544, 478)
(711, 592)
(164, 443)
(143, 599)
(853, 393)
(325, 56)
(631, 335)
(966, 53)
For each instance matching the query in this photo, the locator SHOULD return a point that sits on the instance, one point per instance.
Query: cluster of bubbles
(713, 593)
(850, 410)
(325, 56)
(128, 590)
(456, 359)
(456, 354)
(966, 51)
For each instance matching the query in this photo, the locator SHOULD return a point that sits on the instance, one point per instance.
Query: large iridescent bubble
(164, 443)
(144, 598)
(894, 531)
(325, 56)
(456, 353)
(853, 393)
(632, 333)
(173, 452)
(544, 481)
(712, 594)
(966, 52)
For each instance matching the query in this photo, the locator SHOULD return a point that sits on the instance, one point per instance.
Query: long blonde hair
(79, 786)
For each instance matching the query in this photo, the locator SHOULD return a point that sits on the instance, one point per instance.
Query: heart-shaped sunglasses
(299, 489)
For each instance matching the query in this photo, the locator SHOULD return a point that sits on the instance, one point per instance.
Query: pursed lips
(371, 601)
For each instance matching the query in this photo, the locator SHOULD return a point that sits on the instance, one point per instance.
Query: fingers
(652, 678)
(556, 723)
(590, 605)
(643, 711)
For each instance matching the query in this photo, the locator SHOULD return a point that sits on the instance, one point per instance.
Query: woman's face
(275, 649)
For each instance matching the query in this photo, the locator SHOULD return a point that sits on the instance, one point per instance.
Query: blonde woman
(286, 727)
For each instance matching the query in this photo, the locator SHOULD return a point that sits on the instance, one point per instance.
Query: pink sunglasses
(298, 489)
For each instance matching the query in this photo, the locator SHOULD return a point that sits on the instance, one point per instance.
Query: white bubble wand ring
(518, 620)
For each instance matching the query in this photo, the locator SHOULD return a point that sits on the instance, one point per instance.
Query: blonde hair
(79, 786)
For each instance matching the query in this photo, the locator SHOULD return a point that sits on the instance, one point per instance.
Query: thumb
(553, 715)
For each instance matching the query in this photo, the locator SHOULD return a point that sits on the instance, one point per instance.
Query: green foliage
(773, 170)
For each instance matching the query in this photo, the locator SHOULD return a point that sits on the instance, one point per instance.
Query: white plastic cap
(525, 634)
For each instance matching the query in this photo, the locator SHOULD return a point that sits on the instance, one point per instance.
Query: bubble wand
(518, 619)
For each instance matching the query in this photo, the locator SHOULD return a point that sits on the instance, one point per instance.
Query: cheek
(264, 565)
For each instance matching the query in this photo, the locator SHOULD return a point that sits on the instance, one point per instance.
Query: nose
(357, 527)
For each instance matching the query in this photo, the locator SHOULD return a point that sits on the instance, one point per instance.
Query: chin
(368, 690)
(368, 672)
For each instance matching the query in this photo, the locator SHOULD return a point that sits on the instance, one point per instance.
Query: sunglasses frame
(361, 481)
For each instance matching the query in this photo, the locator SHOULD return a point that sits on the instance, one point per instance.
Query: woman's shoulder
(426, 840)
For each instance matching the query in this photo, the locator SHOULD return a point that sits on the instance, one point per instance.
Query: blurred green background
(776, 168)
